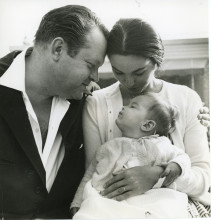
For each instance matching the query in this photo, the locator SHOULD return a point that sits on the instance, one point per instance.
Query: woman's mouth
(136, 91)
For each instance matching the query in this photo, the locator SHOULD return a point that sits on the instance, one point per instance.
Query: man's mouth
(86, 90)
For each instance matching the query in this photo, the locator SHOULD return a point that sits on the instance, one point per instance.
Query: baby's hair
(163, 113)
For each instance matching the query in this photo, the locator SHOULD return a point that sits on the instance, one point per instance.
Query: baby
(145, 124)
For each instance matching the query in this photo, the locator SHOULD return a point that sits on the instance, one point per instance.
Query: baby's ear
(147, 125)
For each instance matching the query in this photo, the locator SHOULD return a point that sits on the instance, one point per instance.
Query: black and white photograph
(105, 109)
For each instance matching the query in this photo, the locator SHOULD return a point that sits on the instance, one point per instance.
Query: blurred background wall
(182, 24)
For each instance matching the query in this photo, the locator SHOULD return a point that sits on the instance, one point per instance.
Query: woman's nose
(129, 82)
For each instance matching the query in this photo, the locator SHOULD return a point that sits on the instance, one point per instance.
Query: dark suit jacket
(22, 176)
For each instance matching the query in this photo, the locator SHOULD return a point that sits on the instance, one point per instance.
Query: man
(41, 96)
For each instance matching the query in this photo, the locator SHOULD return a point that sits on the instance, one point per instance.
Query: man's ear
(57, 47)
(147, 125)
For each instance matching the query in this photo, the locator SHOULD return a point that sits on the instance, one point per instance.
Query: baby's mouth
(120, 115)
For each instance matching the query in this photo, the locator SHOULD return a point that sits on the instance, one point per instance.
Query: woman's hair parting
(164, 114)
(72, 23)
(135, 37)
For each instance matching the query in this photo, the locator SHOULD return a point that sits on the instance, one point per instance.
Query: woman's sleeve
(92, 139)
(196, 146)
(78, 198)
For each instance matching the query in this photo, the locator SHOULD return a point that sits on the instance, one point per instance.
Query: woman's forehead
(129, 62)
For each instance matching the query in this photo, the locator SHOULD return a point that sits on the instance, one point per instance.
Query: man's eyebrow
(95, 62)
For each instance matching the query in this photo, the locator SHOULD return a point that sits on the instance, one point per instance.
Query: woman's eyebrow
(137, 70)
(134, 71)
(116, 69)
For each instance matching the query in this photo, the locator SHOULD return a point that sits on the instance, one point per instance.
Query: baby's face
(131, 116)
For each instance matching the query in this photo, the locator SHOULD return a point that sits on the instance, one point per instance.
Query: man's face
(75, 73)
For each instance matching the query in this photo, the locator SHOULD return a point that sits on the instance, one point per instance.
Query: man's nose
(94, 76)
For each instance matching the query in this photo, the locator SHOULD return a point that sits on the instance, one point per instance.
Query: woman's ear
(57, 47)
(147, 125)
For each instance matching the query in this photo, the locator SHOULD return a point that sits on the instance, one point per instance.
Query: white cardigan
(99, 126)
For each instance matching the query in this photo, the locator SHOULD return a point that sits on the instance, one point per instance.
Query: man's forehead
(95, 55)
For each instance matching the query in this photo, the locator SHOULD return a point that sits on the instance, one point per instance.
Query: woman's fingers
(133, 181)
(125, 196)
(113, 184)
(205, 123)
(113, 180)
(204, 116)
(204, 110)
(118, 192)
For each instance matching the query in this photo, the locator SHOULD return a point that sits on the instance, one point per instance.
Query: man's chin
(77, 96)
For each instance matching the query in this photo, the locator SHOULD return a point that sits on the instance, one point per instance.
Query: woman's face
(133, 72)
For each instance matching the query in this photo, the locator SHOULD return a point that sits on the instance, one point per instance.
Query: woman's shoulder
(178, 89)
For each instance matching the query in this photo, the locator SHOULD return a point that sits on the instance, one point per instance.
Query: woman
(136, 51)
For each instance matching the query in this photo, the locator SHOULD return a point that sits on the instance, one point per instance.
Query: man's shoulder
(6, 61)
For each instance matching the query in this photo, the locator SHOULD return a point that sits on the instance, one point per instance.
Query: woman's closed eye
(117, 72)
(139, 73)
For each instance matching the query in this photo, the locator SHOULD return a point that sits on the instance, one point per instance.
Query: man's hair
(163, 113)
(72, 23)
(135, 37)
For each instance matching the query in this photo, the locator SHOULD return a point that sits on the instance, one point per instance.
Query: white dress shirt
(53, 152)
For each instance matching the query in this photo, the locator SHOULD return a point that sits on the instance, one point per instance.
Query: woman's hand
(132, 182)
(204, 116)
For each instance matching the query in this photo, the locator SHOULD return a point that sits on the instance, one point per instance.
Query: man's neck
(35, 84)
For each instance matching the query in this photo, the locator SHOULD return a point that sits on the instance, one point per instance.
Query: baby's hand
(171, 172)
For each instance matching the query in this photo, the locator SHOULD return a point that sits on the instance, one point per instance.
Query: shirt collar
(14, 77)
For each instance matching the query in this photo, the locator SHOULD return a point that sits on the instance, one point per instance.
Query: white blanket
(155, 203)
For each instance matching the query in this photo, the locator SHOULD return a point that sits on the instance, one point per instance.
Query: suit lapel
(71, 116)
(14, 112)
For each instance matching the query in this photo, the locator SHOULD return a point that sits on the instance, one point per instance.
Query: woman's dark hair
(135, 37)
(72, 23)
